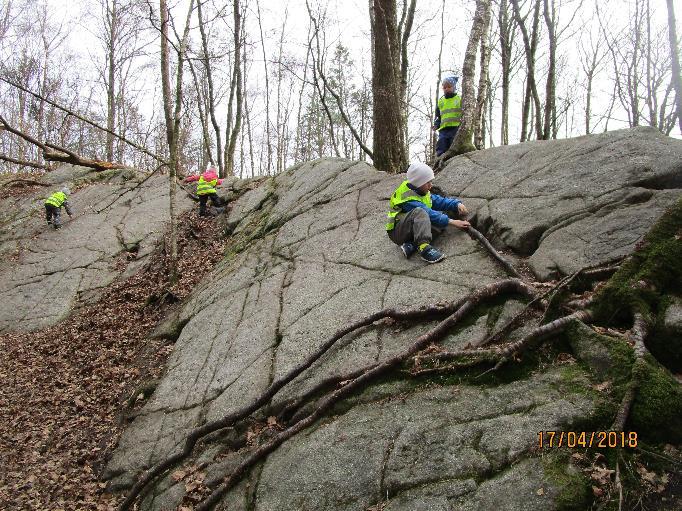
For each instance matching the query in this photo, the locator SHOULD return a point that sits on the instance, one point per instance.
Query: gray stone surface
(573, 202)
(673, 316)
(43, 272)
(419, 450)
(310, 255)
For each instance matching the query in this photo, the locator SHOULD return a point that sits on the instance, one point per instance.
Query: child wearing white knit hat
(415, 213)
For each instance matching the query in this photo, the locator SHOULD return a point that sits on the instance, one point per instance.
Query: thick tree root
(325, 404)
(508, 267)
(498, 354)
(421, 312)
(638, 334)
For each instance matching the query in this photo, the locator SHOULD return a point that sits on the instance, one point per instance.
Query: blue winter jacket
(439, 204)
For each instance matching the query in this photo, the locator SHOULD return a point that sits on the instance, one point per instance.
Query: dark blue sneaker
(431, 254)
(408, 249)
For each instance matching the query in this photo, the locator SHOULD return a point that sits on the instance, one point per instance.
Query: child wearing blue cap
(448, 115)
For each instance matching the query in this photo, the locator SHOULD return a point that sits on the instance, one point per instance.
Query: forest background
(266, 85)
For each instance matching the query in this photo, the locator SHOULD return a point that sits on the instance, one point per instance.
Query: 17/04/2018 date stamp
(598, 439)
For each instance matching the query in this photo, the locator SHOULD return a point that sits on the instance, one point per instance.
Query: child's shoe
(431, 254)
(408, 249)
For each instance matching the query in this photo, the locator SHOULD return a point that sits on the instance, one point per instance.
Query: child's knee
(421, 214)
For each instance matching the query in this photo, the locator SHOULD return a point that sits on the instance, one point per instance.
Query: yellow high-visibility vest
(450, 111)
(402, 195)
(56, 199)
(206, 187)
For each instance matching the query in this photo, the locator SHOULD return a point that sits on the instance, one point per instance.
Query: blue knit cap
(452, 80)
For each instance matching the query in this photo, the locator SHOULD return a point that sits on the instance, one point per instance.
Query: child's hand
(462, 210)
(460, 224)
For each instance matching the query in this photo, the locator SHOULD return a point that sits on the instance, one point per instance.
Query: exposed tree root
(456, 311)
(421, 312)
(638, 334)
(305, 410)
(294, 408)
(498, 354)
(509, 268)
(325, 404)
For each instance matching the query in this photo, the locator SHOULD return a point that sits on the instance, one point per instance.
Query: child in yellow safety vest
(206, 189)
(448, 115)
(53, 206)
(415, 215)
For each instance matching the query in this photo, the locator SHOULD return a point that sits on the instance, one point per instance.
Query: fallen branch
(22, 182)
(210, 427)
(52, 152)
(84, 119)
(23, 163)
(436, 333)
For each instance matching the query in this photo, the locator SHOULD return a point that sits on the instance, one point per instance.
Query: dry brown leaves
(63, 389)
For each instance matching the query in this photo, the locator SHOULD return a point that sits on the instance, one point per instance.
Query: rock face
(311, 255)
(43, 272)
(572, 202)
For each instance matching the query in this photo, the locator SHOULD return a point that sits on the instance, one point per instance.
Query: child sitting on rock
(206, 189)
(53, 206)
(415, 214)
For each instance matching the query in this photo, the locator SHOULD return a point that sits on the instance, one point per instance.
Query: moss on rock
(652, 271)
(656, 413)
(605, 357)
(665, 341)
(573, 487)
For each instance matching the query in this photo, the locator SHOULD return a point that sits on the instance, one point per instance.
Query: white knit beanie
(419, 174)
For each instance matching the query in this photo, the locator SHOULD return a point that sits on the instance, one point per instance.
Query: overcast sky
(349, 24)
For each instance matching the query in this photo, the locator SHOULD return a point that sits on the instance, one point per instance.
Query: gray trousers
(414, 226)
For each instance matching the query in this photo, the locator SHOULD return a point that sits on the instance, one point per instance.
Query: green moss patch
(574, 491)
(656, 413)
(652, 271)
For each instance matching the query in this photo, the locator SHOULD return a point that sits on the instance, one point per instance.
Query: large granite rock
(570, 203)
(43, 272)
(310, 255)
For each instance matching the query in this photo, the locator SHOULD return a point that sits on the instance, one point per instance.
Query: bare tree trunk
(433, 140)
(211, 95)
(172, 108)
(550, 89)
(590, 60)
(267, 91)
(505, 55)
(462, 142)
(237, 79)
(279, 125)
(404, 34)
(481, 100)
(390, 151)
(112, 16)
(633, 78)
(298, 156)
(676, 78)
(530, 44)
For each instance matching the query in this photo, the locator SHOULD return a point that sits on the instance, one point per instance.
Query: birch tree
(676, 78)
(463, 140)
